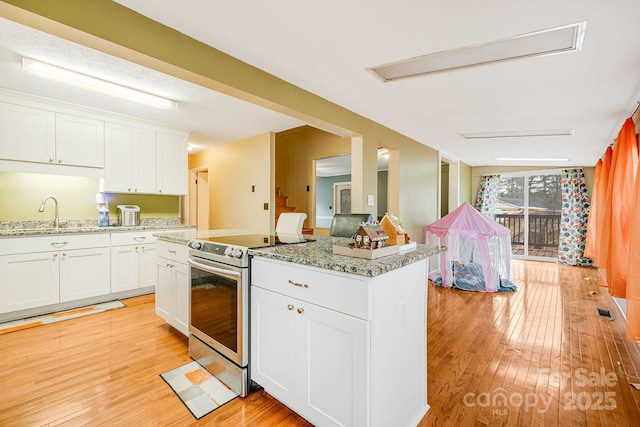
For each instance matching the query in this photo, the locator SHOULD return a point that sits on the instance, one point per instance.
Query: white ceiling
(325, 48)
(212, 117)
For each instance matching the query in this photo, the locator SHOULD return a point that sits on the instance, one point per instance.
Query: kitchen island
(341, 340)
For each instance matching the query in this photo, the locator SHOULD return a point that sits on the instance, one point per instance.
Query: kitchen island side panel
(399, 346)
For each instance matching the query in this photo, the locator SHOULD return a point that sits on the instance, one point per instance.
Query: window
(529, 204)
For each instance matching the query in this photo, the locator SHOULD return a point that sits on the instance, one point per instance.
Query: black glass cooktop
(253, 241)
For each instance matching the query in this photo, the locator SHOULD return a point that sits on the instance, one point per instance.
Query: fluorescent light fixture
(62, 75)
(552, 41)
(519, 134)
(528, 159)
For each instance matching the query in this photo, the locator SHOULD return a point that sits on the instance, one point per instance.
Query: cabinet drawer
(173, 251)
(24, 245)
(133, 237)
(322, 287)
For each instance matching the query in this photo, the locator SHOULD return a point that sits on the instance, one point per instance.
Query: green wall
(22, 193)
(466, 179)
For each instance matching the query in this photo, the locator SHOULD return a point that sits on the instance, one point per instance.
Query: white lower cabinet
(84, 273)
(133, 261)
(29, 280)
(341, 349)
(52, 269)
(173, 287)
(310, 357)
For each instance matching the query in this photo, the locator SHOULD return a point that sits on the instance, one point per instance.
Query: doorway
(342, 197)
(529, 205)
(202, 200)
(199, 198)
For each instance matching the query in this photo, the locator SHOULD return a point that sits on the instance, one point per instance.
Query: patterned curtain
(488, 195)
(573, 222)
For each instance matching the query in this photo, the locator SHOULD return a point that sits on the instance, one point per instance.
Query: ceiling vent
(553, 41)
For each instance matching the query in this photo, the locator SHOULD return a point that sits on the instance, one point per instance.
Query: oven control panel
(216, 249)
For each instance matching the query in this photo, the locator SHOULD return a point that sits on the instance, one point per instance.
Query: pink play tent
(478, 255)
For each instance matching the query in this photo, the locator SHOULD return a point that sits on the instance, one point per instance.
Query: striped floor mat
(32, 322)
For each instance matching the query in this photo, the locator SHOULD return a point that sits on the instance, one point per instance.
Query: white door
(172, 169)
(165, 293)
(79, 141)
(342, 197)
(28, 280)
(124, 268)
(182, 297)
(273, 343)
(144, 161)
(118, 158)
(27, 134)
(147, 264)
(335, 352)
(84, 273)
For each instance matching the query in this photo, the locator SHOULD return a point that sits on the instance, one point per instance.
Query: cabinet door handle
(55, 256)
(172, 252)
(59, 160)
(139, 238)
(170, 265)
(59, 244)
(290, 307)
(300, 285)
(300, 310)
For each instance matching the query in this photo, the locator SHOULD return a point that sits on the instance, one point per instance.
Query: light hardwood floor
(543, 342)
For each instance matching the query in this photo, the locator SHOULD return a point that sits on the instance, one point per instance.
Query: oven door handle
(211, 269)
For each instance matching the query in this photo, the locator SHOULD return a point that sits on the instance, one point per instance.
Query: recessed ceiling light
(552, 41)
(519, 133)
(529, 159)
(83, 81)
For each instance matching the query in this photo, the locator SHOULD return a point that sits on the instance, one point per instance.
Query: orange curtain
(601, 250)
(633, 279)
(592, 223)
(618, 208)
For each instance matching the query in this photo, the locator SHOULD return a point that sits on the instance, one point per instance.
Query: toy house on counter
(370, 236)
(394, 229)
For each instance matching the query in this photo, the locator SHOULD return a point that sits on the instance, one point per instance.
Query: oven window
(214, 307)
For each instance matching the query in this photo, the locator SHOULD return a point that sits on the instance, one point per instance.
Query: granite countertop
(320, 254)
(184, 237)
(43, 228)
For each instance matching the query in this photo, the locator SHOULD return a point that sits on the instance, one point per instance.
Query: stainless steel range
(219, 318)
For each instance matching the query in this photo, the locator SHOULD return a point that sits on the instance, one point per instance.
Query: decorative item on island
(372, 240)
(395, 230)
(370, 236)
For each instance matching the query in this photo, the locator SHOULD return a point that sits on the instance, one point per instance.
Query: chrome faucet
(56, 222)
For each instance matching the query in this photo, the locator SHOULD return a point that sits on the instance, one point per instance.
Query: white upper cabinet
(35, 135)
(132, 155)
(27, 134)
(79, 141)
(141, 160)
(130, 164)
(172, 172)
